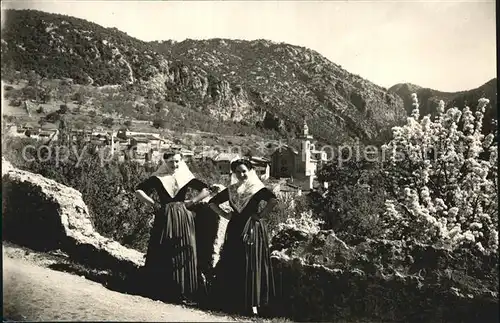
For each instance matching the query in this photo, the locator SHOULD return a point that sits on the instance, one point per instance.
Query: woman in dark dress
(171, 260)
(244, 278)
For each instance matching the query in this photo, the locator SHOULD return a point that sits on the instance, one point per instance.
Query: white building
(287, 162)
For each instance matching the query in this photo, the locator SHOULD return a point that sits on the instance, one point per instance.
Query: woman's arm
(271, 201)
(202, 188)
(217, 209)
(217, 200)
(148, 200)
(144, 189)
(144, 197)
(203, 193)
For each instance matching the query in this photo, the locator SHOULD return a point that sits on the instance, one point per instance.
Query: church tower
(306, 147)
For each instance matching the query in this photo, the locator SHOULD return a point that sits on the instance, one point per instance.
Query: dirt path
(32, 292)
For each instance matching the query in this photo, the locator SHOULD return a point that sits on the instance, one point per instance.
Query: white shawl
(240, 192)
(174, 181)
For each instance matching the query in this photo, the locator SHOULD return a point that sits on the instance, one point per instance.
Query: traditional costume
(244, 277)
(171, 260)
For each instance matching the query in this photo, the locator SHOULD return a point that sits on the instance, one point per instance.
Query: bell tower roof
(305, 131)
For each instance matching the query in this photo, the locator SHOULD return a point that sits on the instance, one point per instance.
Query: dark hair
(171, 153)
(239, 162)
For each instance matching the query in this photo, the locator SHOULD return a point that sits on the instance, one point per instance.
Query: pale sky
(444, 45)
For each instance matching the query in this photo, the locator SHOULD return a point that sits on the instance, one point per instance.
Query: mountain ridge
(262, 83)
(429, 99)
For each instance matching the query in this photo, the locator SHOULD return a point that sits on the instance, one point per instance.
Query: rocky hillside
(429, 99)
(289, 83)
(258, 83)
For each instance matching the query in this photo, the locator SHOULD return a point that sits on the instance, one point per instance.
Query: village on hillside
(167, 162)
(294, 168)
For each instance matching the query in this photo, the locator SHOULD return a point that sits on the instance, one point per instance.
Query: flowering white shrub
(445, 179)
(305, 222)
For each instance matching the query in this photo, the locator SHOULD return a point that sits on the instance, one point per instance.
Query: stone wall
(320, 277)
(317, 293)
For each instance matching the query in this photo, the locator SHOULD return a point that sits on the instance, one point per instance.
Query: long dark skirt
(259, 278)
(244, 276)
(207, 225)
(171, 261)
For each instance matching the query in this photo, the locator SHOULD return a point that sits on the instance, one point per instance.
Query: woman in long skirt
(244, 277)
(171, 260)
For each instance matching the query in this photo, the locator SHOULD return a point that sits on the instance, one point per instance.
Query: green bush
(107, 188)
(355, 198)
(288, 207)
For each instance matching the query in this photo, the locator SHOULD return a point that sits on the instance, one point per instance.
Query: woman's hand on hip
(255, 217)
(151, 221)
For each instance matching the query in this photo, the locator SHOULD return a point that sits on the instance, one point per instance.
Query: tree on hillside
(64, 130)
(108, 122)
(159, 123)
(53, 117)
(65, 90)
(63, 109)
